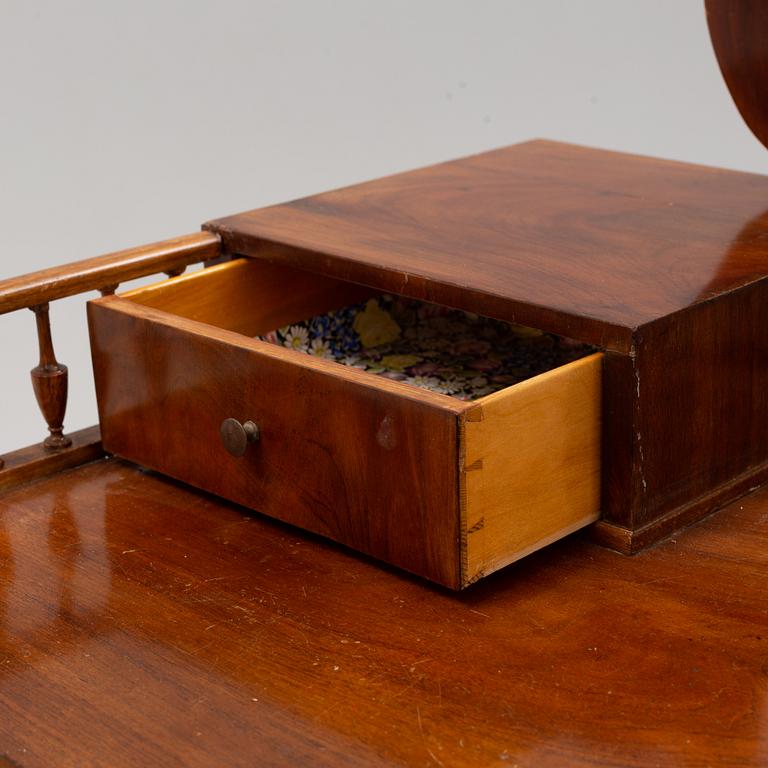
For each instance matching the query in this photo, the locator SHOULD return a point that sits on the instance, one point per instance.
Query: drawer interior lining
(445, 350)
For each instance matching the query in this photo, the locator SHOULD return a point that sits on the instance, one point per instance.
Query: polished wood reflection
(738, 29)
(583, 242)
(142, 623)
(663, 265)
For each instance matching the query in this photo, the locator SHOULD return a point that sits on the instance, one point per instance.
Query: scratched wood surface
(142, 623)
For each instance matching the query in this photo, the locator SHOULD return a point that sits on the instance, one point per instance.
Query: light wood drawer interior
(451, 490)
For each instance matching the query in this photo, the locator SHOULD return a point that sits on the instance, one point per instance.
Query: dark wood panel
(105, 271)
(699, 407)
(739, 29)
(703, 410)
(144, 623)
(365, 461)
(582, 242)
(685, 425)
(629, 541)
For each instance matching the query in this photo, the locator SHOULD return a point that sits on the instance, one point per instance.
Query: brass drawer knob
(236, 436)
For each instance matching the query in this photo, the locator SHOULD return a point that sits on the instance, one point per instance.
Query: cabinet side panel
(360, 464)
(703, 402)
(531, 466)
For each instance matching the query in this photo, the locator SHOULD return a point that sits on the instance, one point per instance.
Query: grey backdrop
(124, 123)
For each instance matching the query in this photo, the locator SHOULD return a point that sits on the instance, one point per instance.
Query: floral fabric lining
(445, 350)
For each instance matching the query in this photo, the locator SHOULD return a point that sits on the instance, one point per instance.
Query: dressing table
(261, 557)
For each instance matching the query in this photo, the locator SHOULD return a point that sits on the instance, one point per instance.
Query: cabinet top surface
(547, 231)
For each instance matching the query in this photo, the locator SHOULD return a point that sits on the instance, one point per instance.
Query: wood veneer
(333, 442)
(144, 623)
(582, 242)
(663, 265)
(447, 489)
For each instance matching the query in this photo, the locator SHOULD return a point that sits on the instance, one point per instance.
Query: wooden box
(660, 265)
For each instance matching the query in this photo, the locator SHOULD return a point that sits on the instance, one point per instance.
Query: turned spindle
(49, 381)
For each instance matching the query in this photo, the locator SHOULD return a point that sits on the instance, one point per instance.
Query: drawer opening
(445, 351)
(449, 351)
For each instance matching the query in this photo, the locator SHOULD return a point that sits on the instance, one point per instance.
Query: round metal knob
(236, 436)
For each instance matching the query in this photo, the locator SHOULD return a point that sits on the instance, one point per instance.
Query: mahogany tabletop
(585, 242)
(143, 623)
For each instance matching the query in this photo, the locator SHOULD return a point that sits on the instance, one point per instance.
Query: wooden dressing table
(143, 622)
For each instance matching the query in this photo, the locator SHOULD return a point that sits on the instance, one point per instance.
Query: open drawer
(449, 489)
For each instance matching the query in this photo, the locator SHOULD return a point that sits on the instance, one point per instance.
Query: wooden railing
(36, 290)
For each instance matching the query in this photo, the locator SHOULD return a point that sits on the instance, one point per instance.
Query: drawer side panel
(530, 466)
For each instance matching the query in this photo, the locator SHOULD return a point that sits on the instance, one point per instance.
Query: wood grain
(248, 296)
(35, 462)
(329, 434)
(366, 461)
(531, 466)
(106, 271)
(142, 623)
(688, 412)
(585, 243)
(738, 29)
(663, 265)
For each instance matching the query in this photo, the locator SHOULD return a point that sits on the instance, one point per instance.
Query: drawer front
(356, 460)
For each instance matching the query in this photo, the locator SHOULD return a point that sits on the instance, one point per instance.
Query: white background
(125, 123)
